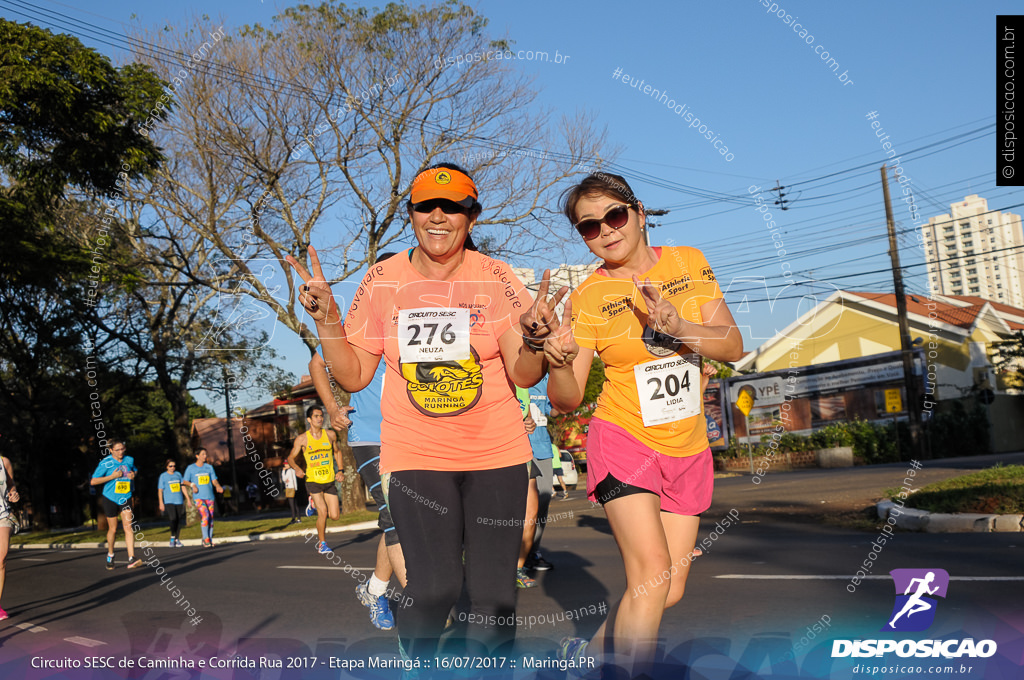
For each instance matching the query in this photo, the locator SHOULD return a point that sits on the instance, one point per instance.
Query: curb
(198, 542)
(912, 519)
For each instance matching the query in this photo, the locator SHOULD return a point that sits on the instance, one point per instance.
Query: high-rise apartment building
(976, 252)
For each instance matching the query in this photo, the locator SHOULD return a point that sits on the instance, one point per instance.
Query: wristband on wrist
(533, 345)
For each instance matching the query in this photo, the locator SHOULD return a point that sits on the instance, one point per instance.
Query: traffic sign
(745, 400)
(893, 401)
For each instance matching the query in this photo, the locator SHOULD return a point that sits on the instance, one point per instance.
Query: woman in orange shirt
(650, 313)
(447, 321)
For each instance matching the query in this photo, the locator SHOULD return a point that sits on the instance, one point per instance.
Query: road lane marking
(833, 577)
(32, 559)
(288, 566)
(84, 642)
(30, 627)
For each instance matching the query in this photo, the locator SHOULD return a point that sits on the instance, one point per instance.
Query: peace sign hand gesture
(540, 320)
(315, 296)
(662, 316)
(561, 348)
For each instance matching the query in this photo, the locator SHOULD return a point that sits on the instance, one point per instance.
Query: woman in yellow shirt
(650, 313)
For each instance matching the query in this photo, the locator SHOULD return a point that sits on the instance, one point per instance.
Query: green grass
(998, 490)
(222, 528)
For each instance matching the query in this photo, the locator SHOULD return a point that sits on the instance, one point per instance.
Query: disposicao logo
(914, 611)
(915, 604)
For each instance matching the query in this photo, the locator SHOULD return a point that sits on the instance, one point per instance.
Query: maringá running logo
(444, 388)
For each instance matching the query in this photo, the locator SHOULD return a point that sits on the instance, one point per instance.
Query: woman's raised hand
(662, 316)
(540, 320)
(560, 348)
(315, 293)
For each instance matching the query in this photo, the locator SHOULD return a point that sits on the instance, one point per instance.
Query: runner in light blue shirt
(172, 500)
(116, 473)
(201, 480)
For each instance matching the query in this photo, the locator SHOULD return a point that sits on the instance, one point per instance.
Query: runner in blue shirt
(172, 500)
(364, 438)
(540, 442)
(116, 473)
(201, 480)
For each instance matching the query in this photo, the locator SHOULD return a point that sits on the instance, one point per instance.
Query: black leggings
(175, 513)
(438, 514)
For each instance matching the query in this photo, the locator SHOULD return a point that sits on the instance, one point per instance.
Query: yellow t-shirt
(319, 458)
(610, 317)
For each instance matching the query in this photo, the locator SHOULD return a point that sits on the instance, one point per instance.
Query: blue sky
(927, 69)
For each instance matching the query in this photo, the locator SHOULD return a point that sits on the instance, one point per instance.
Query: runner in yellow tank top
(323, 468)
(319, 455)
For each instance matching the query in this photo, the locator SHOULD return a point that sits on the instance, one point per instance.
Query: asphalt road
(762, 586)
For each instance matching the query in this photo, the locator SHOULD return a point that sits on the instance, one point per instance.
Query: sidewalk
(265, 536)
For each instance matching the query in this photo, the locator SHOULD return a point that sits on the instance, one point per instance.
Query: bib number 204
(672, 384)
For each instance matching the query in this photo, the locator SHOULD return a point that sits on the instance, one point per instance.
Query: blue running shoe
(380, 612)
(322, 548)
(574, 651)
(310, 509)
(522, 580)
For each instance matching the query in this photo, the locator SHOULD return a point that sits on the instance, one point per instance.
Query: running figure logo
(914, 610)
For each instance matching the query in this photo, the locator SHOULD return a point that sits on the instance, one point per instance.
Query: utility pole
(781, 201)
(651, 225)
(228, 380)
(906, 343)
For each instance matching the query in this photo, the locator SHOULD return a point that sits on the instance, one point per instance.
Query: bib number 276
(433, 334)
(447, 337)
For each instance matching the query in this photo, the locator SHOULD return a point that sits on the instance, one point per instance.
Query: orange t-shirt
(448, 403)
(610, 317)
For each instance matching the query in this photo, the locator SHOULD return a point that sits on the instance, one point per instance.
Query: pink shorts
(684, 484)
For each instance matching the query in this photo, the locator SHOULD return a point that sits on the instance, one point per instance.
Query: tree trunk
(177, 395)
(353, 491)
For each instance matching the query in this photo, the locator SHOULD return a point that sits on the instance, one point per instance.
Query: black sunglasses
(615, 218)
(448, 207)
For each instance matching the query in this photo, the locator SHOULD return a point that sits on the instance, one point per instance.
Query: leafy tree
(721, 370)
(67, 122)
(67, 135)
(1008, 359)
(331, 111)
(560, 423)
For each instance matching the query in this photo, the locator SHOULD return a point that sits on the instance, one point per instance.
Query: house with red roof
(954, 333)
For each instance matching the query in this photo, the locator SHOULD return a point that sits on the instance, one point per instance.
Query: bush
(736, 449)
(794, 443)
(959, 432)
(955, 433)
(830, 436)
(874, 443)
(871, 443)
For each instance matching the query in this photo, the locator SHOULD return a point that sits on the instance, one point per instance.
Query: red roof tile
(998, 306)
(962, 317)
